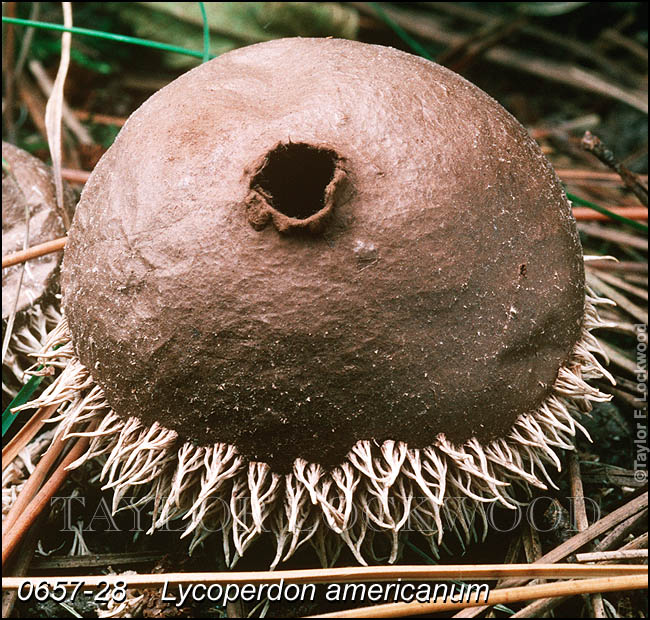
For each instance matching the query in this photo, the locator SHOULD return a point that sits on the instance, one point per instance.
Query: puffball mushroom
(330, 278)
(28, 183)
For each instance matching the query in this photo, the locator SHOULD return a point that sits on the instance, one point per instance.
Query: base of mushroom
(384, 489)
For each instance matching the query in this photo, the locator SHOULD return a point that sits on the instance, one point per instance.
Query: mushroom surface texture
(28, 188)
(323, 288)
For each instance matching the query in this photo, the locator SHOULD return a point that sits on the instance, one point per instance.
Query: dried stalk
(560, 72)
(619, 359)
(75, 176)
(56, 245)
(623, 285)
(540, 607)
(26, 434)
(582, 522)
(33, 484)
(355, 574)
(621, 300)
(601, 556)
(634, 507)
(21, 564)
(616, 536)
(97, 560)
(71, 121)
(616, 236)
(505, 596)
(632, 213)
(594, 145)
(638, 543)
(12, 538)
(576, 174)
(54, 112)
(623, 266)
(100, 119)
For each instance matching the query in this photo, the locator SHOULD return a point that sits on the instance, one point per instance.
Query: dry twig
(631, 509)
(54, 112)
(582, 522)
(14, 535)
(26, 434)
(632, 213)
(56, 245)
(594, 145)
(623, 555)
(562, 73)
(33, 484)
(21, 563)
(75, 176)
(504, 596)
(356, 574)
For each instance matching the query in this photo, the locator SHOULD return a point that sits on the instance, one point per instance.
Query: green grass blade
(425, 556)
(120, 38)
(206, 33)
(21, 398)
(614, 216)
(415, 45)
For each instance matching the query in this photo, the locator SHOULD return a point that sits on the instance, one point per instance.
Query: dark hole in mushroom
(294, 179)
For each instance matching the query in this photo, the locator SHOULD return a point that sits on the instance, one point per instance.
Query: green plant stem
(415, 45)
(21, 398)
(120, 38)
(614, 216)
(206, 33)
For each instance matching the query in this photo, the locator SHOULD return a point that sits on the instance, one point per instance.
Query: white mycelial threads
(381, 489)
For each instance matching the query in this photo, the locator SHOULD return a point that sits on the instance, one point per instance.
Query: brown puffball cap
(309, 242)
(27, 180)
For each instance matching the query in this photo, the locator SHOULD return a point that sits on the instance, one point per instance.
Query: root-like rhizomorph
(386, 489)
